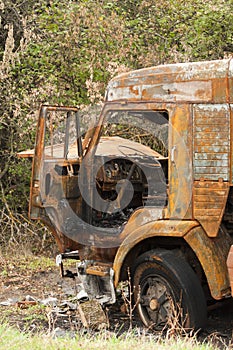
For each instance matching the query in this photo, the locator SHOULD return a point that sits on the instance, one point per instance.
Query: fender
(165, 228)
(212, 254)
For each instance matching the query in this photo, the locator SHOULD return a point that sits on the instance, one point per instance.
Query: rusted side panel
(209, 200)
(180, 166)
(212, 254)
(231, 141)
(230, 81)
(230, 268)
(211, 138)
(211, 160)
(173, 91)
(192, 81)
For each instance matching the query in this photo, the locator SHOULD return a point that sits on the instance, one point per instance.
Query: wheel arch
(164, 233)
(210, 252)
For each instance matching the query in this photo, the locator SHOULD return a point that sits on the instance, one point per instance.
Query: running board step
(98, 270)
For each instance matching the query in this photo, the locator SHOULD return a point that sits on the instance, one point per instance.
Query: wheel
(166, 290)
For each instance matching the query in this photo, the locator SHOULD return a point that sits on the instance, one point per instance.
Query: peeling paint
(197, 197)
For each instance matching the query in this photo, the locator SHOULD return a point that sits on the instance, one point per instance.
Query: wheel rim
(156, 305)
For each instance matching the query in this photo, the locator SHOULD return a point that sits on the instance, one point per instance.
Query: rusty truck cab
(173, 207)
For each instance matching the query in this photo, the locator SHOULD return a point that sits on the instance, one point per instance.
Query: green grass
(24, 263)
(13, 339)
(28, 263)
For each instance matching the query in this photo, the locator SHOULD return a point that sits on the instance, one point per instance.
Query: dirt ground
(33, 297)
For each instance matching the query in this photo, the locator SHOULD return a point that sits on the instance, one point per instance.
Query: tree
(65, 52)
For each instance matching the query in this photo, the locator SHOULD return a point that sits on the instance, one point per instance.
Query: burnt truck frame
(163, 215)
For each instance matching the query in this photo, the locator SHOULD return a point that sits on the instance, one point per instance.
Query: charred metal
(146, 187)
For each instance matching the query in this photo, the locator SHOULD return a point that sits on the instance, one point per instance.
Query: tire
(167, 292)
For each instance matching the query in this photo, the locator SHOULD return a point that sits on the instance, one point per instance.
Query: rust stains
(230, 268)
(212, 254)
(211, 138)
(193, 81)
(209, 200)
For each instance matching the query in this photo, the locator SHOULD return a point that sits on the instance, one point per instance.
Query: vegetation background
(65, 52)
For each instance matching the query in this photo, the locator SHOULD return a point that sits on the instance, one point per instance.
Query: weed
(127, 292)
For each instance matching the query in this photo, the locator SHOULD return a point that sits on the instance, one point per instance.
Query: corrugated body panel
(211, 137)
(209, 200)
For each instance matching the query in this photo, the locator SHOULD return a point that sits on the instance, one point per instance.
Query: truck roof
(109, 146)
(206, 82)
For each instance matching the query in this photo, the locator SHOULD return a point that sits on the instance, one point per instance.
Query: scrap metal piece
(97, 282)
(92, 315)
(59, 262)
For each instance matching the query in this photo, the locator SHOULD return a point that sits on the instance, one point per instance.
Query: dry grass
(13, 339)
(30, 328)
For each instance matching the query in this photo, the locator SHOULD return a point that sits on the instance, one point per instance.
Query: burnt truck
(145, 189)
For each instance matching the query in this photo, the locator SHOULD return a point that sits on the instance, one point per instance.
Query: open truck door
(165, 213)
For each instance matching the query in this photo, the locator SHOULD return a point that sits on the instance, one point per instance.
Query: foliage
(65, 52)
